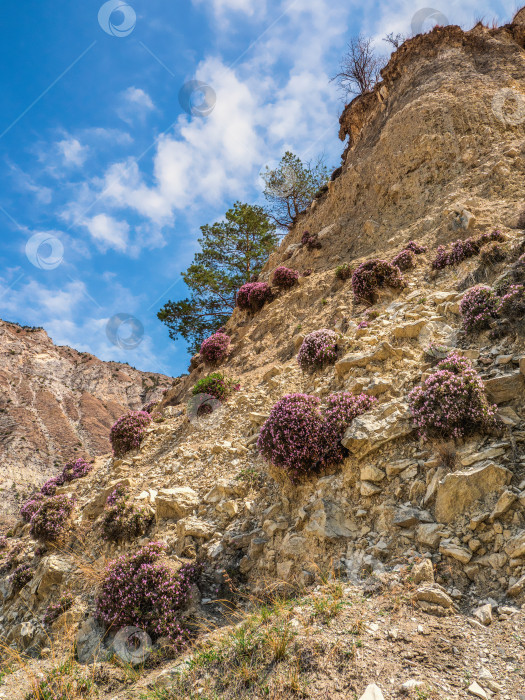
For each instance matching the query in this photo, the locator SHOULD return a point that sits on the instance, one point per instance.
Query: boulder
(484, 614)
(48, 575)
(505, 388)
(429, 535)
(433, 600)
(193, 527)
(455, 551)
(459, 490)
(423, 572)
(176, 502)
(383, 351)
(330, 520)
(515, 547)
(373, 692)
(371, 473)
(90, 642)
(410, 330)
(505, 501)
(377, 427)
(226, 488)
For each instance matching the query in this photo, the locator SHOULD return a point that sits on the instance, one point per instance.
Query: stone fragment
(484, 614)
(515, 547)
(176, 503)
(410, 330)
(477, 691)
(90, 642)
(382, 352)
(429, 535)
(372, 473)
(453, 550)
(517, 588)
(193, 527)
(373, 692)
(505, 388)
(423, 572)
(369, 489)
(331, 520)
(384, 423)
(459, 490)
(505, 501)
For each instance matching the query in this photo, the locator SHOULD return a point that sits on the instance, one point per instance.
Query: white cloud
(220, 7)
(72, 151)
(108, 232)
(135, 104)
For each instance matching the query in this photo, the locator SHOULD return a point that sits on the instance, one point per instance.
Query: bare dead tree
(395, 39)
(360, 67)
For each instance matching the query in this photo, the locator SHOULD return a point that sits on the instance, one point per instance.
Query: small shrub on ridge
(451, 402)
(253, 296)
(141, 590)
(284, 277)
(216, 385)
(492, 254)
(20, 576)
(311, 241)
(12, 558)
(405, 260)
(463, 249)
(512, 303)
(31, 506)
(76, 469)
(127, 432)
(372, 275)
(343, 272)
(415, 247)
(50, 521)
(318, 350)
(478, 308)
(122, 520)
(54, 610)
(215, 349)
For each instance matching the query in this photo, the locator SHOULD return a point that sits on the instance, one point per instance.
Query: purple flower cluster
(127, 432)
(54, 610)
(461, 250)
(74, 469)
(253, 296)
(49, 523)
(512, 303)
(415, 248)
(405, 260)
(215, 349)
(310, 240)
(372, 275)
(318, 350)
(122, 520)
(452, 401)
(20, 576)
(478, 308)
(284, 277)
(299, 439)
(141, 590)
(31, 506)
(340, 411)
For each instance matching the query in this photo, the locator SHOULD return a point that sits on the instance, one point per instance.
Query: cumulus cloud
(135, 104)
(108, 233)
(72, 151)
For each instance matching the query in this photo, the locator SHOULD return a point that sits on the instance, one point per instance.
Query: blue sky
(106, 178)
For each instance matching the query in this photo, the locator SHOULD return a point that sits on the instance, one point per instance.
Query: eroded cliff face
(56, 404)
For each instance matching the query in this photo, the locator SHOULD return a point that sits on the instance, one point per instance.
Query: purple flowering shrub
(311, 240)
(127, 432)
(415, 248)
(31, 506)
(12, 558)
(50, 487)
(20, 576)
(372, 275)
(74, 469)
(340, 412)
(54, 610)
(512, 303)
(451, 402)
(50, 521)
(123, 520)
(284, 277)
(141, 590)
(215, 349)
(405, 260)
(462, 250)
(478, 307)
(300, 439)
(253, 296)
(343, 272)
(318, 350)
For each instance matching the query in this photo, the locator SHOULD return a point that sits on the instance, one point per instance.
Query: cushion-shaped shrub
(318, 350)
(20, 576)
(252, 296)
(122, 520)
(216, 385)
(215, 349)
(340, 411)
(293, 437)
(512, 303)
(76, 469)
(31, 506)
(451, 402)
(372, 275)
(284, 277)
(478, 307)
(415, 247)
(54, 610)
(463, 249)
(127, 432)
(343, 272)
(50, 521)
(405, 260)
(311, 241)
(142, 590)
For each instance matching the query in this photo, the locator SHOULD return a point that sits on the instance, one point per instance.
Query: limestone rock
(48, 575)
(505, 501)
(433, 599)
(429, 535)
(517, 588)
(176, 503)
(505, 388)
(459, 490)
(329, 519)
(456, 552)
(410, 330)
(515, 547)
(193, 527)
(477, 691)
(423, 572)
(484, 614)
(373, 692)
(377, 427)
(90, 642)
(382, 352)
(371, 473)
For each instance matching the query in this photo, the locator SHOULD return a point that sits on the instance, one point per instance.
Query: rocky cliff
(406, 560)
(56, 404)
